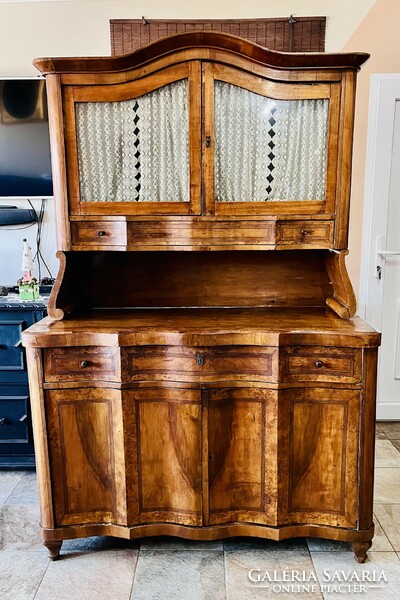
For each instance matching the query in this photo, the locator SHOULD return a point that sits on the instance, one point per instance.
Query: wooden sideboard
(201, 372)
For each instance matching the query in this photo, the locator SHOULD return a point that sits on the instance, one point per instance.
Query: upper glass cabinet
(202, 138)
(272, 146)
(130, 149)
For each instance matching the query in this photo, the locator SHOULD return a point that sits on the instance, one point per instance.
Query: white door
(380, 280)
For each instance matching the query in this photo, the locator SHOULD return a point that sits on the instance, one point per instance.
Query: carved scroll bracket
(343, 301)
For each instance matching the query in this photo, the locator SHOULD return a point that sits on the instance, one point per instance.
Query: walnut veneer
(201, 372)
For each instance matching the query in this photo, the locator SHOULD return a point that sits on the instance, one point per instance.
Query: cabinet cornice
(207, 40)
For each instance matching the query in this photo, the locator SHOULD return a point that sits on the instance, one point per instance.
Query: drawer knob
(101, 233)
(319, 364)
(304, 232)
(200, 359)
(84, 364)
(2, 420)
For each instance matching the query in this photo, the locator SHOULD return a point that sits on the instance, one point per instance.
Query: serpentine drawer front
(80, 364)
(176, 363)
(312, 363)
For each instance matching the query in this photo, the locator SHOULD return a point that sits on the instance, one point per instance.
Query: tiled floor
(172, 569)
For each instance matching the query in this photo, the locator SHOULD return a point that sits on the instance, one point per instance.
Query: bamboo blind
(293, 34)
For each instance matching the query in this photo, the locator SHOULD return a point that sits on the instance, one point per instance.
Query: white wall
(81, 28)
(11, 242)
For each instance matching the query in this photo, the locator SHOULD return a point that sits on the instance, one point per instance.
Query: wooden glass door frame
(190, 70)
(277, 91)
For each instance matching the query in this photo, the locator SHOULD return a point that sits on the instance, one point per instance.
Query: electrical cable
(38, 255)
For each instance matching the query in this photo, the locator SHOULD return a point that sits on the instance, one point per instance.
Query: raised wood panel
(82, 364)
(85, 455)
(237, 450)
(180, 363)
(320, 456)
(313, 363)
(168, 435)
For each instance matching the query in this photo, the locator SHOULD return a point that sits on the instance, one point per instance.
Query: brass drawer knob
(319, 364)
(101, 233)
(304, 232)
(84, 364)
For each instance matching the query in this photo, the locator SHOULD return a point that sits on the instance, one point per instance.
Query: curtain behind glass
(268, 149)
(135, 150)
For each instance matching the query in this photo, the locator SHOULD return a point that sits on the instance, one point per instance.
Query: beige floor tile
(242, 568)
(96, 543)
(320, 545)
(19, 528)
(396, 444)
(8, 482)
(165, 543)
(328, 565)
(386, 454)
(391, 429)
(26, 490)
(380, 435)
(240, 544)
(94, 576)
(380, 542)
(389, 518)
(387, 486)
(21, 574)
(180, 575)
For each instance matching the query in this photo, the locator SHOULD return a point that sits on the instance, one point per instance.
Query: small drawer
(305, 233)
(81, 364)
(14, 420)
(175, 363)
(101, 233)
(321, 364)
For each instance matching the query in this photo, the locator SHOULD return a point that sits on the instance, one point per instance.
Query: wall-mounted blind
(294, 34)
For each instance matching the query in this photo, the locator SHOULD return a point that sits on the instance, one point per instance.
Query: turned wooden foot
(360, 550)
(54, 549)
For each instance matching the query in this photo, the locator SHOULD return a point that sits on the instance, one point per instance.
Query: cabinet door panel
(274, 146)
(134, 148)
(86, 455)
(319, 455)
(167, 478)
(239, 485)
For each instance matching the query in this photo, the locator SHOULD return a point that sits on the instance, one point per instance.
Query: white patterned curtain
(268, 149)
(135, 150)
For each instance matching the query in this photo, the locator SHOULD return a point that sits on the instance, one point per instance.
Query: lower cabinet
(204, 457)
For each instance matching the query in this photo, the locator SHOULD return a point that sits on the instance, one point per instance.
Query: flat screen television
(25, 167)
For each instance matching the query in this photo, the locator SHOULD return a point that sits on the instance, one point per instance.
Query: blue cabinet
(16, 442)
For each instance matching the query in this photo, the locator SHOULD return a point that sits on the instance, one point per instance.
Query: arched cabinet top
(206, 41)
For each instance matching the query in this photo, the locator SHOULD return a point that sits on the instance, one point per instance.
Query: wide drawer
(82, 364)
(304, 363)
(174, 363)
(103, 233)
(304, 233)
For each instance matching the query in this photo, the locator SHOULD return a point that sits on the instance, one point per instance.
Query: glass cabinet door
(130, 149)
(272, 144)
